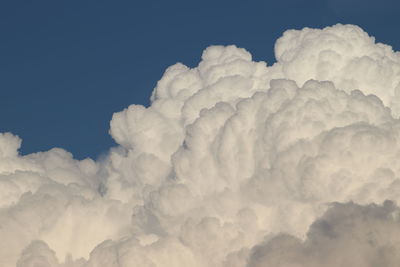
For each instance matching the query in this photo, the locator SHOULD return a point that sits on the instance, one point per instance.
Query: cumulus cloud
(228, 155)
(346, 235)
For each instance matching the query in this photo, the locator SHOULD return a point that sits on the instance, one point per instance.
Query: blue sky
(67, 66)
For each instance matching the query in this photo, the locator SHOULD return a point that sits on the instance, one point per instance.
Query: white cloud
(228, 152)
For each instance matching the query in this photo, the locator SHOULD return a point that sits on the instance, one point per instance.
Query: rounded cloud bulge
(234, 163)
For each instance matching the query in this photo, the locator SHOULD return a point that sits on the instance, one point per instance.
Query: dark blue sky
(67, 66)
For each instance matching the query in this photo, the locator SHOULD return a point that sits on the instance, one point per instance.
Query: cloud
(346, 235)
(37, 254)
(227, 153)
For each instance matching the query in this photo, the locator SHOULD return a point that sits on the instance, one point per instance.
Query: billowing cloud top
(235, 163)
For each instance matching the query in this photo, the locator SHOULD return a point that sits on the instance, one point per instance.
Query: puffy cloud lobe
(51, 197)
(9, 145)
(37, 254)
(346, 235)
(227, 153)
(345, 55)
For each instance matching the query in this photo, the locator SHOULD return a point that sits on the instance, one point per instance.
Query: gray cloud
(346, 235)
